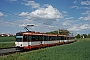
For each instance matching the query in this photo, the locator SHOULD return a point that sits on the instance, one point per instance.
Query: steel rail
(7, 51)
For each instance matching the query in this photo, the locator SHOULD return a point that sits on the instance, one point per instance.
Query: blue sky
(45, 15)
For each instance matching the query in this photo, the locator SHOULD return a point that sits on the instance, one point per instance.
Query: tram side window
(46, 38)
(50, 38)
(59, 37)
(35, 37)
(62, 37)
(54, 38)
(40, 37)
(25, 38)
(29, 38)
(68, 38)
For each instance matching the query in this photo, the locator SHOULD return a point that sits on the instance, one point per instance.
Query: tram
(33, 40)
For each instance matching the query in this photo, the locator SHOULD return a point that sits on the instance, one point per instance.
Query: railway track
(6, 51)
(12, 50)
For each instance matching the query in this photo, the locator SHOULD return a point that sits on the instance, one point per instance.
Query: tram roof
(70, 36)
(40, 33)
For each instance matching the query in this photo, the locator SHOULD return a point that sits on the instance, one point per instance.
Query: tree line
(59, 31)
(83, 36)
(66, 32)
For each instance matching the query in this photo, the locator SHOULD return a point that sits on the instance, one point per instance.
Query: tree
(60, 31)
(64, 32)
(88, 35)
(78, 36)
(85, 35)
(52, 32)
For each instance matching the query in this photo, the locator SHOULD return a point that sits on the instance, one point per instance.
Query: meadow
(7, 39)
(7, 42)
(79, 50)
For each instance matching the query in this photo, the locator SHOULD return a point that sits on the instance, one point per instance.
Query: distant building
(83, 37)
(9, 35)
(3, 35)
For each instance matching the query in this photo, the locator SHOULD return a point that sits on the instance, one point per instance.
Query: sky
(45, 15)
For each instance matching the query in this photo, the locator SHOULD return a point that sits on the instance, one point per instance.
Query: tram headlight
(21, 44)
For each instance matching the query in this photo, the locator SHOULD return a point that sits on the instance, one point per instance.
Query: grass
(6, 42)
(7, 45)
(7, 39)
(74, 51)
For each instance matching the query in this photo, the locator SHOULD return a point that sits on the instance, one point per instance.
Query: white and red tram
(31, 40)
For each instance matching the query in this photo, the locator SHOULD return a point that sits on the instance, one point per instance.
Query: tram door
(29, 40)
(26, 40)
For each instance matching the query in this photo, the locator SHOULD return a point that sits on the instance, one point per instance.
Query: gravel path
(7, 50)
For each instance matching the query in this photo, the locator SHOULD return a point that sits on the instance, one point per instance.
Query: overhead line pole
(26, 27)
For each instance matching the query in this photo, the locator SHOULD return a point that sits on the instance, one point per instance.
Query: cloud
(12, 0)
(87, 17)
(23, 25)
(1, 14)
(46, 14)
(75, 1)
(41, 17)
(81, 4)
(37, 26)
(85, 2)
(69, 18)
(64, 12)
(24, 14)
(31, 3)
(85, 26)
(66, 23)
(87, 12)
(85, 7)
(74, 28)
(75, 7)
(78, 27)
(80, 7)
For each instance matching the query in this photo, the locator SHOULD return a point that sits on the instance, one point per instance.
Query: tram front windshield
(19, 37)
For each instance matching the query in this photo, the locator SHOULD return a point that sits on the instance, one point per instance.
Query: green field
(7, 42)
(75, 51)
(7, 45)
(7, 39)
